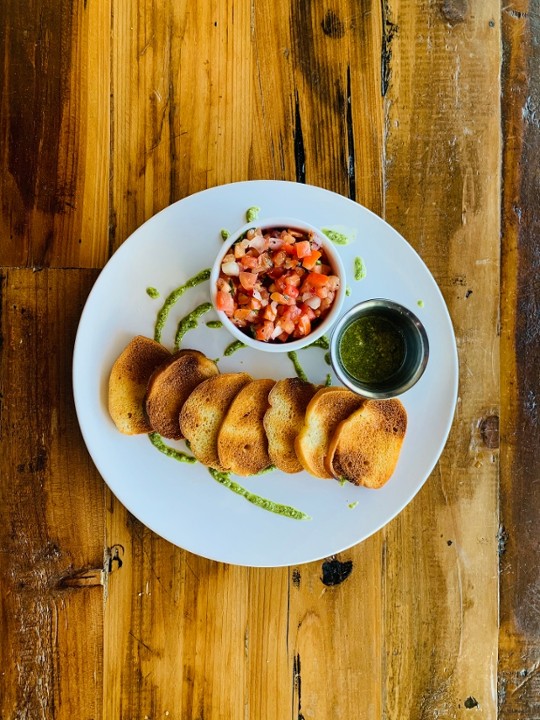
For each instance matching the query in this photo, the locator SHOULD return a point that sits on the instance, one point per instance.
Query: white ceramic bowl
(322, 328)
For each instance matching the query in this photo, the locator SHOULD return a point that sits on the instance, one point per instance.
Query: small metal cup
(416, 349)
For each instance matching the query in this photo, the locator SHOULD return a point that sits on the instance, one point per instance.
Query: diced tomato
(288, 248)
(316, 279)
(303, 326)
(303, 249)
(264, 331)
(310, 260)
(247, 280)
(225, 302)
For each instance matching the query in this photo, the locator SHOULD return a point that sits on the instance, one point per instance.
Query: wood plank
(198, 638)
(519, 648)
(51, 537)
(182, 101)
(442, 179)
(54, 133)
(335, 635)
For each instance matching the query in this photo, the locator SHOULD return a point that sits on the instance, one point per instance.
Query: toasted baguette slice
(127, 383)
(284, 419)
(203, 413)
(328, 407)
(170, 385)
(366, 446)
(242, 444)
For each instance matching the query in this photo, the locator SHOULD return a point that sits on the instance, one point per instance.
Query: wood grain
(110, 112)
(52, 529)
(54, 133)
(519, 681)
(442, 193)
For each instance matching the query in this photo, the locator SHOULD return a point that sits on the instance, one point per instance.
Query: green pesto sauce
(278, 508)
(352, 505)
(152, 292)
(327, 358)
(420, 303)
(328, 380)
(372, 349)
(225, 234)
(360, 271)
(348, 291)
(266, 470)
(214, 324)
(252, 213)
(233, 347)
(336, 237)
(190, 322)
(293, 357)
(323, 342)
(157, 442)
(173, 297)
(342, 481)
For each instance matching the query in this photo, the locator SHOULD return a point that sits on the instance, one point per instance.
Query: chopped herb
(152, 292)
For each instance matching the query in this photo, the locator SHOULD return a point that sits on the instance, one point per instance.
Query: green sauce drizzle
(157, 442)
(353, 504)
(323, 342)
(328, 381)
(278, 508)
(297, 367)
(336, 237)
(327, 358)
(152, 292)
(420, 303)
(214, 324)
(173, 297)
(233, 347)
(348, 291)
(266, 470)
(360, 271)
(225, 234)
(252, 213)
(190, 322)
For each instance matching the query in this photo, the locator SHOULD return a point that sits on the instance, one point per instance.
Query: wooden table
(426, 112)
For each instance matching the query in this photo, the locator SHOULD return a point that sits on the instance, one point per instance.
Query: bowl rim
(352, 314)
(325, 326)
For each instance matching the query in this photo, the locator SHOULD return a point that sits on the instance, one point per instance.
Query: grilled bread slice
(169, 387)
(366, 446)
(127, 383)
(328, 407)
(242, 443)
(203, 412)
(283, 420)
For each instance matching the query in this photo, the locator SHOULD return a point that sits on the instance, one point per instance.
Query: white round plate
(182, 502)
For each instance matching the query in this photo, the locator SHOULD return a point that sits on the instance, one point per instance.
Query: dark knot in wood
(489, 431)
(455, 11)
